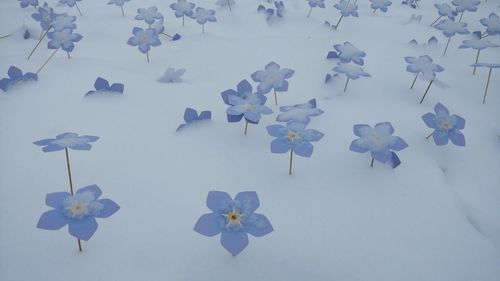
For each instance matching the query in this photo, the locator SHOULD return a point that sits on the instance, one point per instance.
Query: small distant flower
(294, 136)
(347, 9)
(346, 53)
(316, 3)
(466, 5)
(64, 39)
(379, 141)
(300, 112)
(446, 127)
(411, 3)
(117, 2)
(280, 8)
(63, 21)
(182, 8)
(202, 15)
(477, 43)
(171, 75)
(191, 117)
(148, 15)
(69, 3)
(26, 3)
(350, 70)
(492, 23)
(234, 219)
(45, 15)
(16, 76)
(423, 65)
(67, 140)
(102, 86)
(250, 106)
(144, 39)
(450, 28)
(272, 78)
(380, 5)
(243, 90)
(78, 211)
(445, 10)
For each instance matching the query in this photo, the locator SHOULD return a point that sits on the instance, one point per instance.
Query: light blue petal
(207, 225)
(356, 147)
(217, 199)
(303, 148)
(280, 145)
(55, 199)
(430, 120)
(260, 226)
(277, 130)
(398, 144)
(83, 229)
(457, 138)
(91, 188)
(52, 220)
(110, 207)
(234, 242)
(249, 201)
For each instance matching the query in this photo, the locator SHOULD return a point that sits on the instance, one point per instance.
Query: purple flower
(294, 136)
(347, 9)
(64, 39)
(144, 39)
(182, 8)
(272, 78)
(16, 76)
(45, 16)
(66, 140)
(202, 15)
(234, 219)
(78, 211)
(446, 127)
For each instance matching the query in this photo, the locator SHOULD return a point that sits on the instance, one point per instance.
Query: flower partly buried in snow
(466, 5)
(101, 86)
(293, 136)
(445, 10)
(350, 70)
(299, 113)
(148, 15)
(64, 39)
(450, 28)
(250, 106)
(78, 211)
(182, 8)
(26, 3)
(316, 3)
(144, 39)
(45, 15)
(67, 140)
(346, 52)
(492, 23)
(172, 75)
(347, 9)
(272, 78)
(446, 127)
(117, 2)
(191, 117)
(16, 76)
(243, 90)
(280, 8)
(63, 21)
(380, 5)
(234, 219)
(202, 15)
(69, 3)
(379, 141)
(423, 65)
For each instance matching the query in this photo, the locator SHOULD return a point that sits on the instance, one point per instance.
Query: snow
(435, 218)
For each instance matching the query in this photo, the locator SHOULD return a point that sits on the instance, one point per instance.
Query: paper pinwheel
(346, 9)
(492, 23)
(202, 15)
(315, 3)
(191, 117)
(102, 87)
(272, 77)
(118, 3)
(144, 39)
(450, 28)
(422, 65)
(182, 8)
(444, 10)
(293, 137)
(351, 71)
(380, 5)
(379, 141)
(477, 43)
(72, 3)
(301, 113)
(346, 52)
(234, 219)
(26, 3)
(148, 15)
(446, 127)
(16, 77)
(490, 66)
(171, 75)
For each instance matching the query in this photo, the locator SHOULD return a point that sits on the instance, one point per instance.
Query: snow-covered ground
(434, 218)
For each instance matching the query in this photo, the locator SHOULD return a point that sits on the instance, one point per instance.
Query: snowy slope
(434, 218)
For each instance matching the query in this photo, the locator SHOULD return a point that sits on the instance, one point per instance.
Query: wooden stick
(310, 10)
(345, 87)
(475, 64)
(246, 127)
(427, 90)
(290, 165)
(487, 84)
(203, 27)
(147, 56)
(5, 36)
(71, 189)
(371, 164)
(337, 25)
(460, 20)
(69, 57)
(47, 61)
(429, 136)
(275, 98)
(414, 80)
(39, 41)
(445, 49)
(436, 20)
(182, 20)
(78, 8)
(123, 13)
(229, 4)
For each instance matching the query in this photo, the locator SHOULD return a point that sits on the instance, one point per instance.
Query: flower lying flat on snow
(171, 75)
(191, 117)
(67, 140)
(446, 127)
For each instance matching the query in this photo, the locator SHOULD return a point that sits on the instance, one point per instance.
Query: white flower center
(81, 205)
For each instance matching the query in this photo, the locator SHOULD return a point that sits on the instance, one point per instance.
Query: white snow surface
(434, 218)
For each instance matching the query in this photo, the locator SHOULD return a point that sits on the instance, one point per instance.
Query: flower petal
(55, 199)
(457, 138)
(217, 199)
(52, 220)
(259, 226)
(110, 207)
(360, 129)
(83, 229)
(280, 145)
(277, 130)
(92, 188)
(249, 201)
(357, 147)
(207, 225)
(398, 143)
(303, 148)
(234, 242)
(430, 120)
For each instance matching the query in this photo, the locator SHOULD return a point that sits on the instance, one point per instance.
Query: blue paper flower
(243, 90)
(492, 23)
(63, 21)
(300, 112)
(466, 5)
(446, 127)
(224, 3)
(251, 106)
(45, 15)
(67, 140)
(191, 117)
(350, 70)
(270, 13)
(64, 39)
(411, 3)
(346, 53)
(234, 219)
(26, 3)
(69, 3)
(347, 9)
(272, 77)
(171, 75)
(316, 3)
(182, 8)
(117, 2)
(78, 211)
(379, 141)
(380, 5)
(445, 10)
(293, 137)
(148, 15)
(144, 39)
(423, 65)
(16, 76)
(477, 43)
(202, 15)
(450, 28)
(280, 8)
(102, 86)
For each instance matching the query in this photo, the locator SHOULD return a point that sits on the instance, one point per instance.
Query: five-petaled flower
(379, 141)
(63, 21)
(294, 136)
(16, 76)
(78, 211)
(466, 5)
(446, 127)
(234, 219)
(350, 70)
(380, 5)
(182, 8)
(300, 112)
(423, 65)
(148, 15)
(347, 9)
(67, 140)
(346, 52)
(492, 23)
(202, 15)
(445, 10)
(450, 28)
(251, 106)
(272, 78)
(45, 15)
(63, 39)
(144, 39)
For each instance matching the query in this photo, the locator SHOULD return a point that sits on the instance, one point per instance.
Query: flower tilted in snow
(63, 39)
(272, 77)
(243, 90)
(117, 2)
(446, 127)
(293, 136)
(102, 86)
(492, 23)
(234, 219)
(171, 75)
(422, 65)
(67, 140)
(351, 71)
(379, 141)
(78, 211)
(445, 10)
(280, 8)
(270, 13)
(411, 3)
(450, 28)
(45, 15)
(148, 15)
(346, 53)
(490, 66)
(16, 76)
(300, 112)
(380, 5)
(182, 8)
(347, 9)
(191, 117)
(465, 5)
(26, 3)
(63, 21)
(144, 39)
(202, 15)
(478, 44)
(315, 3)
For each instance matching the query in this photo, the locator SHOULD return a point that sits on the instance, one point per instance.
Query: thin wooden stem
(229, 4)
(69, 57)
(69, 171)
(337, 25)
(461, 15)
(429, 136)
(290, 165)
(39, 41)
(47, 61)
(147, 56)
(346, 82)
(123, 13)
(487, 84)
(182, 20)
(78, 8)
(246, 127)
(275, 98)
(484, 35)
(447, 43)
(166, 35)
(414, 80)
(475, 64)
(310, 10)
(203, 27)
(371, 164)
(79, 245)
(427, 90)
(436, 20)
